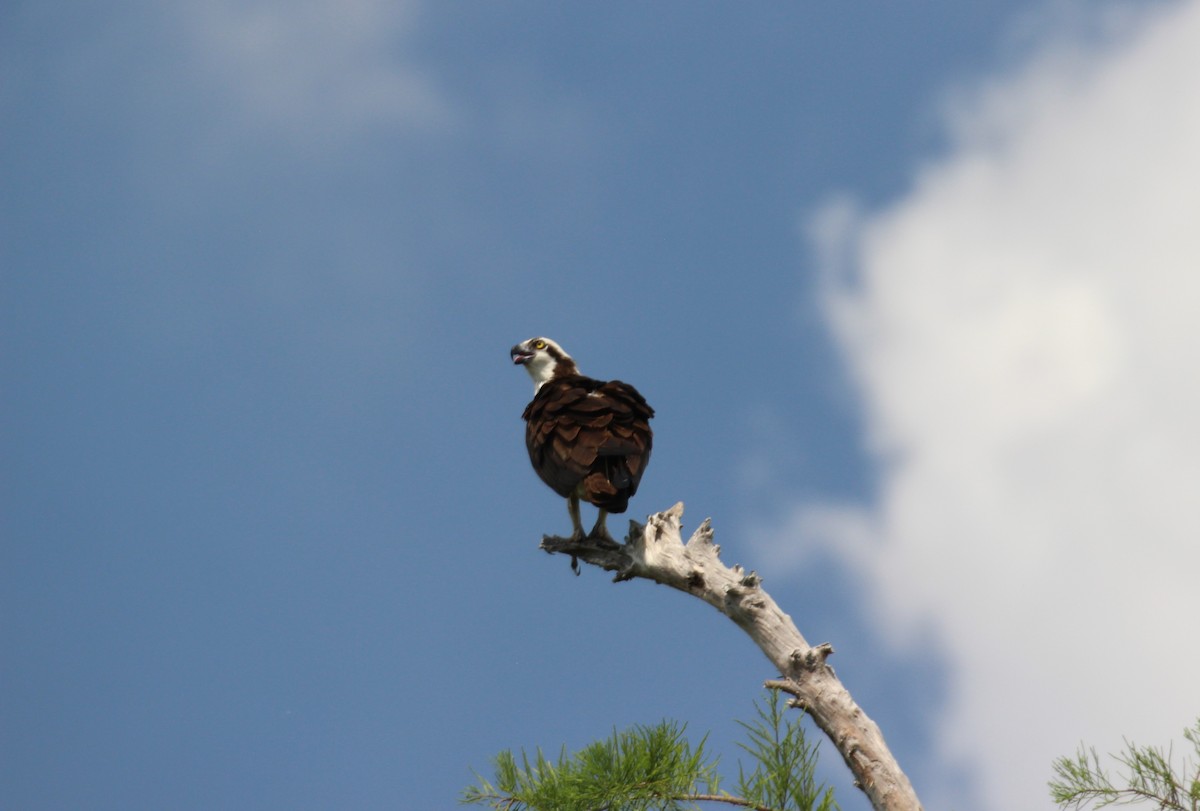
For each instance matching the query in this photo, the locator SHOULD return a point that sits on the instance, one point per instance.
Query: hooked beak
(519, 356)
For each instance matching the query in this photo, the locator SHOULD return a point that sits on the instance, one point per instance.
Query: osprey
(587, 439)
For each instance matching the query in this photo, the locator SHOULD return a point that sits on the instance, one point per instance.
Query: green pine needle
(1147, 775)
(783, 774)
(655, 768)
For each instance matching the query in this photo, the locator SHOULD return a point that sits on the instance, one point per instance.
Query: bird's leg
(576, 521)
(576, 527)
(600, 530)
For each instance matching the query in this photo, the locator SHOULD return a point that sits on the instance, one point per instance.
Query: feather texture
(590, 438)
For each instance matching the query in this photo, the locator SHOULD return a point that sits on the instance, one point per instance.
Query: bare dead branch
(657, 552)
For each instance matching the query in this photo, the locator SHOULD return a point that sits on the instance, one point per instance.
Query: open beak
(520, 356)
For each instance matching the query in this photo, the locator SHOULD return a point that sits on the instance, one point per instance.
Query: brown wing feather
(590, 436)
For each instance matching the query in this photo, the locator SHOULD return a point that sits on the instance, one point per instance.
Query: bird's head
(543, 359)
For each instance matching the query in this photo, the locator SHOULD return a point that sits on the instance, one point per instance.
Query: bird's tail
(598, 490)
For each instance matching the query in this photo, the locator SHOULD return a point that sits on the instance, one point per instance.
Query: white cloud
(1024, 328)
(320, 68)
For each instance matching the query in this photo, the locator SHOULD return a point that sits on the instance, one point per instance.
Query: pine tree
(656, 767)
(1148, 775)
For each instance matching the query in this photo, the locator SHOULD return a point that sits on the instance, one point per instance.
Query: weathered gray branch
(657, 552)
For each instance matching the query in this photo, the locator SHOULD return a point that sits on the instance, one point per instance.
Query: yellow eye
(539, 344)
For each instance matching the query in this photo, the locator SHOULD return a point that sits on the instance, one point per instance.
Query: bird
(588, 440)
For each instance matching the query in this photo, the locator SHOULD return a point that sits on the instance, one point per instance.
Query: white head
(543, 359)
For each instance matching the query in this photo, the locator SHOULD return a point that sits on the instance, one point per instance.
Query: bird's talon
(603, 539)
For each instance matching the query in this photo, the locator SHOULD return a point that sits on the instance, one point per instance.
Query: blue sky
(891, 275)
